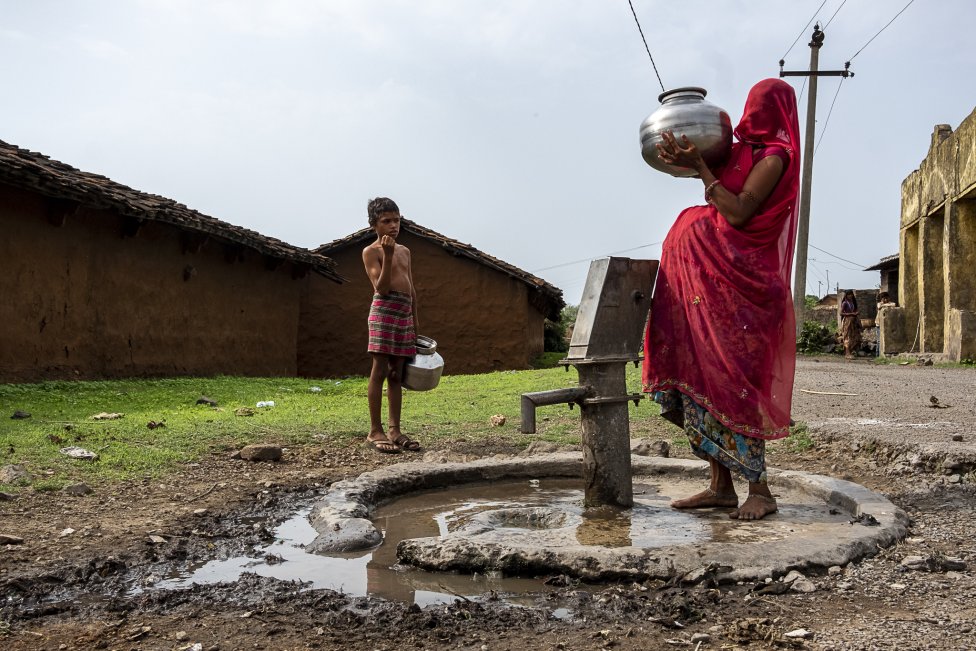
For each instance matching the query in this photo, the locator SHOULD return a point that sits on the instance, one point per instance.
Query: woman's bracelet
(708, 190)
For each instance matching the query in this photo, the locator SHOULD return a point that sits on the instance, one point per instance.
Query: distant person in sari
(720, 346)
(850, 324)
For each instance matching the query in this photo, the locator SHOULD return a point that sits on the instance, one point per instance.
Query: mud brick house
(936, 313)
(485, 314)
(102, 281)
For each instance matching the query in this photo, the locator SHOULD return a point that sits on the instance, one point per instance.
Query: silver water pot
(685, 111)
(423, 372)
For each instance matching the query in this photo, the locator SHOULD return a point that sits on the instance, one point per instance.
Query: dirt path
(79, 589)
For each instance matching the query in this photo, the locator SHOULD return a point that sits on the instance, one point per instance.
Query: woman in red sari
(721, 341)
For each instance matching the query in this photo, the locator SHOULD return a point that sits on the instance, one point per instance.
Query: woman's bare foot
(756, 507)
(707, 499)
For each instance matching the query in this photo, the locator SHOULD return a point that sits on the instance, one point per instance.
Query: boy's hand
(388, 244)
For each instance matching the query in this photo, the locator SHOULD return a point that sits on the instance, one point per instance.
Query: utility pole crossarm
(846, 72)
(820, 73)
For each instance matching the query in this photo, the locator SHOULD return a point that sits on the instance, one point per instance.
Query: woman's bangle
(708, 190)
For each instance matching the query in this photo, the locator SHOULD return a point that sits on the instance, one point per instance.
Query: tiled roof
(552, 296)
(35, 172)
(886, 262)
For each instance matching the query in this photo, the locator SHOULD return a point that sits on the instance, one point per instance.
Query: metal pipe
(557, 396)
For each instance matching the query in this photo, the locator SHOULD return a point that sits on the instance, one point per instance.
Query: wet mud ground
(85, 590)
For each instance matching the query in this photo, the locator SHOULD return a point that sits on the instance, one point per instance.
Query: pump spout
(555, 397)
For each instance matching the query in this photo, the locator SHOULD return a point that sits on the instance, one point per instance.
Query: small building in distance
(887, 267)
(824, 312)
(103, 281)
(829, 300)
(484, 314)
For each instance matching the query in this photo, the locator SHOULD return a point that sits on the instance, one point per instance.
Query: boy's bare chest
(400, 258)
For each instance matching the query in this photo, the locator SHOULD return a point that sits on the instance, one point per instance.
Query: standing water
(651, 523)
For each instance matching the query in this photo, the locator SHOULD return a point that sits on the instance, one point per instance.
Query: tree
(554, 337)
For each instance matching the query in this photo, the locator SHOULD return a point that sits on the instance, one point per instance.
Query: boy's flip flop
(407, 443)
(385, 446)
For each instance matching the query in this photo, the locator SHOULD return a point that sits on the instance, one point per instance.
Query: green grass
(966, 363)
(799, 439)
(460, 408)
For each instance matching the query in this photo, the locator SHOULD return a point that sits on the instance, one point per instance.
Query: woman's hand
(682, 154)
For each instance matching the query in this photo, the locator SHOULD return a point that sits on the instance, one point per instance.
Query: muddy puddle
(376, 573)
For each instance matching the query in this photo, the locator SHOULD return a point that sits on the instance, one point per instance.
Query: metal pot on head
(684, 111)
(423, 372)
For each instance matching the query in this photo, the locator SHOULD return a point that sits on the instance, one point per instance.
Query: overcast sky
(508, 124)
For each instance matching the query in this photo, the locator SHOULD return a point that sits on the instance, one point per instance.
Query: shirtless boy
(392, 324)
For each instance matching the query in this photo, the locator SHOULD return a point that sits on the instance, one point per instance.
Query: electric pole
(803, 225)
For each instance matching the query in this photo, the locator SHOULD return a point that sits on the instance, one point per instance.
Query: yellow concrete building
(937, 252)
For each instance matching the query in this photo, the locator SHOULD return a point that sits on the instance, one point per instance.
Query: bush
(814, 338)
(554, 333)
(554, 337)
(547, 360)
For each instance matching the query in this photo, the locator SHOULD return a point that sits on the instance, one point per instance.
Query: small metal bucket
(423, 372)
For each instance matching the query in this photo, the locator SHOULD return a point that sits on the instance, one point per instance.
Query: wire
(645, 44)
(581, 260)
(827, 121)
(882, 29)
(838, 257)
(841, 265)
(803, 31)
(816, 270)
(844, 266)
(832, 17)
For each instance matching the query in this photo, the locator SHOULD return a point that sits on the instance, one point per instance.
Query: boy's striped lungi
(391, 329)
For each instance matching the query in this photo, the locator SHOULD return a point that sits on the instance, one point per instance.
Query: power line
(803, 31)
(838, 257)
(817, 270)
(883, 29)
(824, 274)
(564, 264)
(827, 121)
(581, 260)
(841, 265)
(835, 13)
(645, 44)
(830, 111)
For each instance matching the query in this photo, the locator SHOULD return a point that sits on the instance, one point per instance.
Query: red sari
(722, 329)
